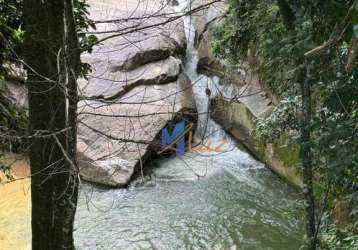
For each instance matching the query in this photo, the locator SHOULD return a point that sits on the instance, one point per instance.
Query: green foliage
(258, 31)
(84, 24)
(233, 38)
(334, 238)
(258, 27)
(12, 34)
(335, 126)
(283, 118)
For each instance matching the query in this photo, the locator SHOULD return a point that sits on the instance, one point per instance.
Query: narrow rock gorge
(200, 124)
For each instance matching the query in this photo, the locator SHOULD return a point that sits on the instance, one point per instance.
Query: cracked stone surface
(138, 85)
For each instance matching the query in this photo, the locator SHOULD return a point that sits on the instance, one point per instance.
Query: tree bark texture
(54, 183)
(307, 161)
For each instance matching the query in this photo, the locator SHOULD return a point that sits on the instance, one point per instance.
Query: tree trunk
(307, 161)
(54, 183)
(67, 182)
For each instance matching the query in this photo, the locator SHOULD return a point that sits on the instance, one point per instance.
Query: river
(206, 199)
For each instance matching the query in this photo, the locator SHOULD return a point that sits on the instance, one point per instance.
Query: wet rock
(205, 21)
(115, 139)
(239, 119)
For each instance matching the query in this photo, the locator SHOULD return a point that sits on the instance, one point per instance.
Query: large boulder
(139, 32)
(135, 89)
(115, 139)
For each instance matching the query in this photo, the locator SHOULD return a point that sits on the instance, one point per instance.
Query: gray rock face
(115, 138)
(205, 21)
(140, 32)
(113, 83)
(244, 75)
(15, 92)
(135, 88)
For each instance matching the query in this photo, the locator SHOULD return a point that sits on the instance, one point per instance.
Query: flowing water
(207, 199)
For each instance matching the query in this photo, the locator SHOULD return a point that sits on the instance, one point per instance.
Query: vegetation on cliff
(295, 46)
(281, 39)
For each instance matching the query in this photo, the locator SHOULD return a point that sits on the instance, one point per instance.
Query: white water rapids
(208, 133)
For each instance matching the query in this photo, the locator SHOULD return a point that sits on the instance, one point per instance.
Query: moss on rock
(280, 155)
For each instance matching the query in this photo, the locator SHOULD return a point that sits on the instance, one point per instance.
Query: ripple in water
(246, 209)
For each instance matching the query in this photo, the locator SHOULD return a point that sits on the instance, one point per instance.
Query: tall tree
(306, 157)
(52, 58)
